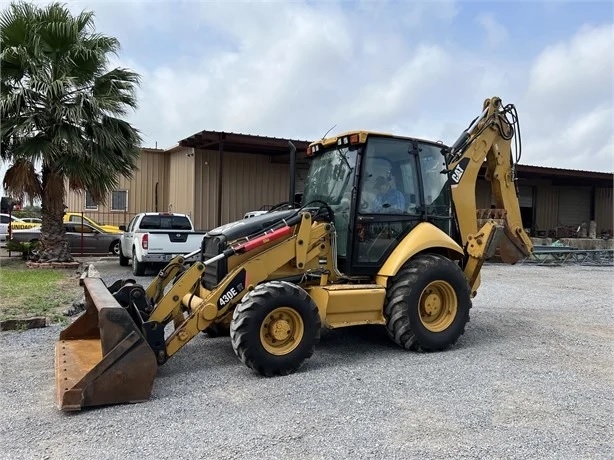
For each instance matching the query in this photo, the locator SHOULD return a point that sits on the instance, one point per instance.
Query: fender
(424, 236)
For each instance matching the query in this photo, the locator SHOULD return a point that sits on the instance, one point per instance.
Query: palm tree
(61, 110)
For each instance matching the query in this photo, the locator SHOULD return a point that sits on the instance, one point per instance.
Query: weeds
(26, 292)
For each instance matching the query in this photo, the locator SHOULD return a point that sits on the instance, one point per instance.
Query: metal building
(217, 177)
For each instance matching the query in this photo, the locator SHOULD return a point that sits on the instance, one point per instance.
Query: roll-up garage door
(574, 205)
(525, 196)
(301, 174)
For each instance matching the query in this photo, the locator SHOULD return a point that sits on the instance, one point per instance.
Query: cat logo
(459, 170)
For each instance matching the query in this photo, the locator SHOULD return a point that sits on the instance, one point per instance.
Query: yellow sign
(23, 225)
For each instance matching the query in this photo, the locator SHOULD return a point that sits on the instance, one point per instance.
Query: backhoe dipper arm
(488, 138)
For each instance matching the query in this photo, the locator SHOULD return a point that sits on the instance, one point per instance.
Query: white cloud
(496, 33)
(297, 68)
(569, 103)
(576, 72)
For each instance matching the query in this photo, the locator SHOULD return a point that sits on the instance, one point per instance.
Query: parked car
(155, 238)
(16, 224)
(83, 239)
(35, 220)
(76, 217)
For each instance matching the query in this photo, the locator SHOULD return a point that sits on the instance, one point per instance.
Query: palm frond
(60, 104)
(21, 178)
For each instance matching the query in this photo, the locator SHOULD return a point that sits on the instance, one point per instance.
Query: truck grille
(214, 273)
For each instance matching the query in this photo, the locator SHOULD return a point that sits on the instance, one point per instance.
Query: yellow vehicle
(18, 223)
(77, 217)
(388, 234)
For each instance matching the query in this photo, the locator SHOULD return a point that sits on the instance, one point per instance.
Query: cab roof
(364, 134)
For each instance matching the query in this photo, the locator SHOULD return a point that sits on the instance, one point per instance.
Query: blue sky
(423, 68)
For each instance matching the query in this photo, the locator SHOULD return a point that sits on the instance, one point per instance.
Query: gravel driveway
(531, 378)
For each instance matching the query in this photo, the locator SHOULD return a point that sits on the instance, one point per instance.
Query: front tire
(123, 260)
(427, 304)
(275, 328)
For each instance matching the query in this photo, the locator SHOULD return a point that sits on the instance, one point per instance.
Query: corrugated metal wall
(574, 205)
(205, 189)
(152, 168)
(603, 209)
(248, 183)
(181, 182)
(547, 207)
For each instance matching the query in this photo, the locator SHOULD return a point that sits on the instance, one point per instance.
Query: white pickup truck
(155, 238)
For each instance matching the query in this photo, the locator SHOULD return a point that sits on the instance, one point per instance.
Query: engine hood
(245, 227)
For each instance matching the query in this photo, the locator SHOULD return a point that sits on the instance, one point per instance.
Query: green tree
(61, 109)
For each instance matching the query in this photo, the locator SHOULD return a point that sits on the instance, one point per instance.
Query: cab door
(389, 201)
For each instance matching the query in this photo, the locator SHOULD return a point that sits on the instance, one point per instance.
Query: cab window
(390, 181)
(389, 198)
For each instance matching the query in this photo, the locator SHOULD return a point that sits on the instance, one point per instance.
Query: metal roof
(561, 176)
(266, 145)
(242, 143)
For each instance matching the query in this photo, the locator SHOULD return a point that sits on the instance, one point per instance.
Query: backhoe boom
(488, 139)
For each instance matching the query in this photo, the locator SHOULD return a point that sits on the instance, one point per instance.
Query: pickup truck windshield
(165, 223)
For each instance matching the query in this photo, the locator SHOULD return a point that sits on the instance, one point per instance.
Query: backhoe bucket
(102, 357)
(511, 247)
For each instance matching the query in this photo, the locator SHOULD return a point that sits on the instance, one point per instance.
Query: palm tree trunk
(54, 246)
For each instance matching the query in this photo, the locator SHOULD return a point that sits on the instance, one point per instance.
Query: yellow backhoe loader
(387, 234)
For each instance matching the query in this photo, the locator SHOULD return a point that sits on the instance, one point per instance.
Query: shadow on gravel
(337, 347)
(346, 345)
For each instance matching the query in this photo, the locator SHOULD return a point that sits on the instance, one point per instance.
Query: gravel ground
(531, 378)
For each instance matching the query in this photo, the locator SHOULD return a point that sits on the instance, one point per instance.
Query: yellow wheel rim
(438, 306)
(281, 331)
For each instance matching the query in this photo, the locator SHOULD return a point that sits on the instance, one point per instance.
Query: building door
(574, 205)
(525, 199)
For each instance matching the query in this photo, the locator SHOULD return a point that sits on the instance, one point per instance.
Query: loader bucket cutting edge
(102, 357)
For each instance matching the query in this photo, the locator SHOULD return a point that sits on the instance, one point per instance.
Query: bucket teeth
(510, 248)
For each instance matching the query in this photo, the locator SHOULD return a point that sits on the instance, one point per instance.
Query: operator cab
(379, 187)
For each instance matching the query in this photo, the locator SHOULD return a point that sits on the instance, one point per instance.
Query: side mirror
(122, 228)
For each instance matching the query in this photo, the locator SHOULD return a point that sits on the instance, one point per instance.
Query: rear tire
(427, 304)
(275, 328)
(138, 268)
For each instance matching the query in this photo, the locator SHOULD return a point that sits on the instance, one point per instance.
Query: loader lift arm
(488, 139)
(203, 307)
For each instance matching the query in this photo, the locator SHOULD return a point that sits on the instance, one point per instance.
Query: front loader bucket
(102, 357)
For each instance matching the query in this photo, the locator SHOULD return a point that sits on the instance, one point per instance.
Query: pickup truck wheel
(138, 268)
(427, 304)
(275, 328)
(123, 260)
